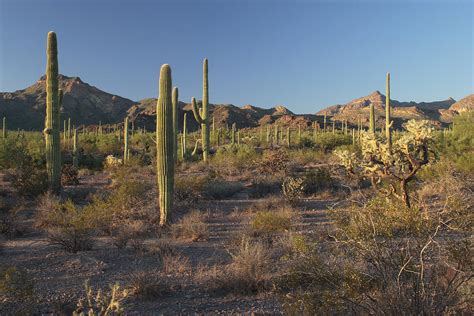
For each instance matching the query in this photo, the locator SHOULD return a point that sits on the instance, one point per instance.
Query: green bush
(70, 227)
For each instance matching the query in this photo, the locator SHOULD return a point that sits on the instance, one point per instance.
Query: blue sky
(302, 54)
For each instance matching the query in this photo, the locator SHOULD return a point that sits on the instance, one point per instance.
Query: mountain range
(88, 105)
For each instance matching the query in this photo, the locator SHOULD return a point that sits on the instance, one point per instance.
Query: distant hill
(83, 103)
(437, 111)
(86, 104)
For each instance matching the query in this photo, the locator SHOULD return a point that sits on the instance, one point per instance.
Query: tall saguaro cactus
(183, 141)
(372, 119)
(4, 128)
(75, 157)
(175, 123)
(202, 115)
(52, 122)
(388, 123)
(165, 145)
(125, 140)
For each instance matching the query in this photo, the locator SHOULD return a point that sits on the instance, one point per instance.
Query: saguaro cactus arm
(196, 111)
(175, 122)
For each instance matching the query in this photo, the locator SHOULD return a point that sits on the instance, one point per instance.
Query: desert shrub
(265, 185)
(316, 180)
(272, 162)
(69, 175)
(191, 226)
(9, 221)
(385, 258)
(233, 159)
(219, 189)
(270, 222)
(456, 145)
(176, 264)
(305, 142)
(302, 157)
(103, 302)
(29, 181)
(293, 189)
(249, 271)
(189, 189)
(127, 211)
(329, 141)
(15, 283)
(147, 285)
(70, 227)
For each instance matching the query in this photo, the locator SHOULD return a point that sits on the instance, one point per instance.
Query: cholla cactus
(293, 189)
(102, 303)
(399, 164)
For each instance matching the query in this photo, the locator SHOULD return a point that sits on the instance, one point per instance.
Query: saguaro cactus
(125, 140)
(52, 122)
(388, 123)
(233, 136)
(183, 138)
(202, 115)
(175, 123)
(372, 119)
(288, 137)
(75, 157)
(165, 145)
(4, 128)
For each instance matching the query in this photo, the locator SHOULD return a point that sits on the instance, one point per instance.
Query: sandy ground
(59, 276)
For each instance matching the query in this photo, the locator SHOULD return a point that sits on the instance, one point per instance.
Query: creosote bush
(70, 227)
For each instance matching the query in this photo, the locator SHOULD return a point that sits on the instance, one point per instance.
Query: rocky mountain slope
(358, 109)
(86, 104)
(83, 103)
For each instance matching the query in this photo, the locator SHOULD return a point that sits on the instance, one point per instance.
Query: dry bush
(69, 175)
(248, 273)
(267, 222)
(316, 180)
(10, 222)
(176, 264)
(265, 185)
(191, 226)
(386, 259)
(147, 285)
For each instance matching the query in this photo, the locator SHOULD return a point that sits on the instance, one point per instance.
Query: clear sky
(302, 54)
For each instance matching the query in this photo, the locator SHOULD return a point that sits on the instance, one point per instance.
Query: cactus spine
(165, 145)
(126, 152)
(75, 158)
(388, 123)
(372, 119)
(175, 123)
(52, 123)
(202, 115)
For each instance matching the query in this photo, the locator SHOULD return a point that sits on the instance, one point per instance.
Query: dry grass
(249, 271)
(191, 226)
